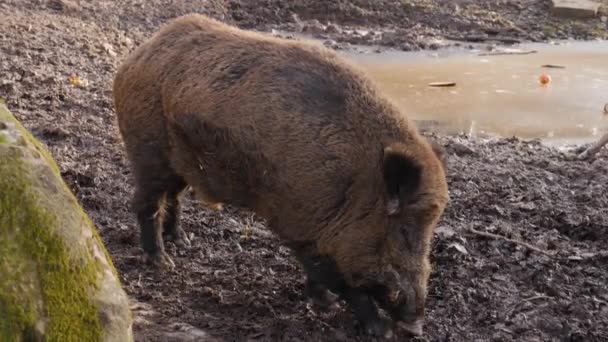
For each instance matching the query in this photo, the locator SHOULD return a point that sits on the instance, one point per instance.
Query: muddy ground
(236, 283)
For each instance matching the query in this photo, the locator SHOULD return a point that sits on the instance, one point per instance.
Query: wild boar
(294, 133)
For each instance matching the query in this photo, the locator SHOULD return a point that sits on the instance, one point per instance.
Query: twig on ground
(553, 66)
(509, 311)
(594, 148)
(483, 38)
(587, 256)
(501, 53)
(517, 242)
(506, 331)
(535, 298)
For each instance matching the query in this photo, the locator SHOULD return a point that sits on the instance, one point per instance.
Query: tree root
(594, 148)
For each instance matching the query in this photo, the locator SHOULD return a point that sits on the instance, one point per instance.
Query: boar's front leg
(325, 275)
(318, 272)
(366, 312)
(322, 275)
(321, 297)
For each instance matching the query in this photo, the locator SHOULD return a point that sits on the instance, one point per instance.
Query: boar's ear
(401, 177)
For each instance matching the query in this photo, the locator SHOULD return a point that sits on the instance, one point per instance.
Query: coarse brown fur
(297, 135)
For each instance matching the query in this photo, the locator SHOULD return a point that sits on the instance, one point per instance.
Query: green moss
(100, 243)
(39, 215)
(3, 139)
(5, 115)
(64, 278)
(18, 307)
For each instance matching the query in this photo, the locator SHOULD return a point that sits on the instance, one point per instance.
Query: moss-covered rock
(57, 282)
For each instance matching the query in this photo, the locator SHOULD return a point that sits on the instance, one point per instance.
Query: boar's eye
(401, 174)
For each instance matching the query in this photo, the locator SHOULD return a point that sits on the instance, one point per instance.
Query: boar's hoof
(324, 301)
(379, 328)
(413, 328)
(320, 297)
(160, 260)
(179, 238)
(182, 242)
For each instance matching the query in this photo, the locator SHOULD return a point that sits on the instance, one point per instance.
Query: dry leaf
(76, 81)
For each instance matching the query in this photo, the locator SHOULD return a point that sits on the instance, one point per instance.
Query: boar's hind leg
(172, 230)
(154, 205)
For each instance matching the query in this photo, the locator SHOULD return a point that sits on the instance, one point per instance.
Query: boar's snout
(409, 310)
(403, 302)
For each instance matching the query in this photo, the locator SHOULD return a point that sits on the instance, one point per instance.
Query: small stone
(330, 43)
(445, 232)
(331, 28)
(3, 125)
(461, 149)
(458, 247)
(109, 49)
(185, 332)
(314, 27)
(604, 19)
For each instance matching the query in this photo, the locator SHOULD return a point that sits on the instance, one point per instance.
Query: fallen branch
(587, 256)
(442, 84)
(518, 304)
(535, 298)
(483, 38)
(593, 149)
(553, 66)
(470, 38)
(517, 242)
(501, 53)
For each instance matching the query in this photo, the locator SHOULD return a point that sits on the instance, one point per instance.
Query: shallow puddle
(500, 94)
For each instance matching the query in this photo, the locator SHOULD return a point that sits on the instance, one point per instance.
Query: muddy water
(500, 94)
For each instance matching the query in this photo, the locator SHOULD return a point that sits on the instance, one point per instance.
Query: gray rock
(57, 283)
